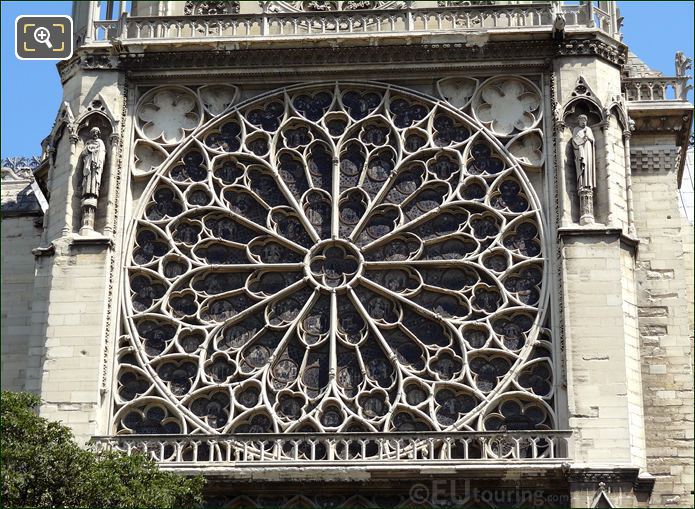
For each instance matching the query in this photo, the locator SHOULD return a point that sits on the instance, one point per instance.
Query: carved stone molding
(593, 47)
(517, 51)
(332, 56)
(92, 240)
(321, 6)
(44, 250)
(642, 482)
(654, 159)
(602, 475)
(426, 52)
(453, 3)
(322, 74)
(97, 61)
(67, 68)
(211, 8)
(662, 124)
(599, 232)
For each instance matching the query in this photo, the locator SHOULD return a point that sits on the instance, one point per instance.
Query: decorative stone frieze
(208, 8)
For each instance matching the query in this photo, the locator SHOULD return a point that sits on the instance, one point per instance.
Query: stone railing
(656, 88)
(345, 449)
(603, 20)
(408, 21)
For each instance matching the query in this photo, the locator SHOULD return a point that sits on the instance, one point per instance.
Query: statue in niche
(93, 156)
(583, 145)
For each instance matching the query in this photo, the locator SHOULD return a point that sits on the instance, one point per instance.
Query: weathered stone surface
(616, 295)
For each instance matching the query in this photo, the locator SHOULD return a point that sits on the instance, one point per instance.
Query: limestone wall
(598, 278)
(19, 236)
(666, 338)
(604, 400)
(66, 344)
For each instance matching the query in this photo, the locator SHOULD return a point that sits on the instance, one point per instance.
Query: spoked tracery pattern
(337, 258)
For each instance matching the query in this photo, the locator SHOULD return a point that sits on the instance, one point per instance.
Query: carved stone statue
(583, 145)
(559, 25)
(93, 157)
(683, 63)
(560, 21)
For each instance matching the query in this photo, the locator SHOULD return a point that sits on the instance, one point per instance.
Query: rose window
(336, 258)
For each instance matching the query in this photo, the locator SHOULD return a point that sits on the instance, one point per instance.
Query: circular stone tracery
(336, 258)
(333, 264)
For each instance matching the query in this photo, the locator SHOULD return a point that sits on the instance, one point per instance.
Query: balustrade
(346, 448)
(345, 23)
(656, 88)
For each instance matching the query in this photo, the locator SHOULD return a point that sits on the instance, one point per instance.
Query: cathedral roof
(636, 68)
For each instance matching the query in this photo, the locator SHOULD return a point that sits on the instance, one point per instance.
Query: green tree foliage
(42, 466)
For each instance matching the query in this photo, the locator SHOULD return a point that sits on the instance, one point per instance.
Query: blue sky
(31, 91)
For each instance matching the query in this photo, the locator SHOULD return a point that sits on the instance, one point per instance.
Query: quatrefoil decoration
(148, 247)
(313, 107)
(165, 204)
(145, 292)
(153, 418)
(406, 113)
(267, 117)
(516, 415)
(227, 138)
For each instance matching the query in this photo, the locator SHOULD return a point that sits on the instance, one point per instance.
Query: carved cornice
(642, 482)
(605, 475)
(661, 124)
(601, 232)
(356, 55)
(595, 48)
(99, 61)
(87, 61)
(68, 68)
(284, 76)
(44, 250)
(665, 117)
(519, 52)
(97, 240)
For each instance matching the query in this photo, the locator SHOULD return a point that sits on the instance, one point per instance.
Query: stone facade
(448, 280)
(664, 304)
(21, 226)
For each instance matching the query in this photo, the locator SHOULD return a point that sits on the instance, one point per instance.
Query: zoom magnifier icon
(39, 37)
(43, 36)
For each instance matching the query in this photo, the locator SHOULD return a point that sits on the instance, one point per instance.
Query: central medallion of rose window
(334, 264)
(334, 258)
